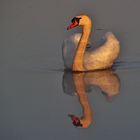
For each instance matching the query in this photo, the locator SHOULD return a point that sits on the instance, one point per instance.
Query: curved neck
(86, 118)
(79, 55)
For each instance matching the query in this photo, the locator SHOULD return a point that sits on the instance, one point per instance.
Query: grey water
(36, 94)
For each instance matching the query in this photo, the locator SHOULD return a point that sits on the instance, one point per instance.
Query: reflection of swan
(106, 80)
(101, 58)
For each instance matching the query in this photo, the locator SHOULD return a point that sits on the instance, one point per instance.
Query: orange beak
(72, 25)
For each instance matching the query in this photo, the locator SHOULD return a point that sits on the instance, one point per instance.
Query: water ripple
(126, 65)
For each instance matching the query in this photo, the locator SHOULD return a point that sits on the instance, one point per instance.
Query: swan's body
(82, 60)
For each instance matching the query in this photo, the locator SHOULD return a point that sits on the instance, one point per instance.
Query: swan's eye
(75, 19)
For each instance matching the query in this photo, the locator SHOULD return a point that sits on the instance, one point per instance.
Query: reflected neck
(86, 118)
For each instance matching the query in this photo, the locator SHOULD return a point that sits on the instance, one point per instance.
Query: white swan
(82, 60)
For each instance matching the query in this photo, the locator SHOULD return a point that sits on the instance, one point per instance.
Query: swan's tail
(111, 37)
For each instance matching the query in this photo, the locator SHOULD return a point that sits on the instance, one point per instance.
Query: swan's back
(104, 56)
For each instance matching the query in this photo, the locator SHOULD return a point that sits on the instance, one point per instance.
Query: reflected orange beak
(72, 25)
(73, 118)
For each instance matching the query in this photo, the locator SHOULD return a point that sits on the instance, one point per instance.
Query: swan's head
(82, 20)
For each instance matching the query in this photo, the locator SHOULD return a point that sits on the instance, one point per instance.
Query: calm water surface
(37, 95)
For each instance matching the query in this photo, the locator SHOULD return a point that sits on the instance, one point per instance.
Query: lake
(38, 97)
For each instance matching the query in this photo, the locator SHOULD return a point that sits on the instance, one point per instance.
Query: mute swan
(82, 60)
